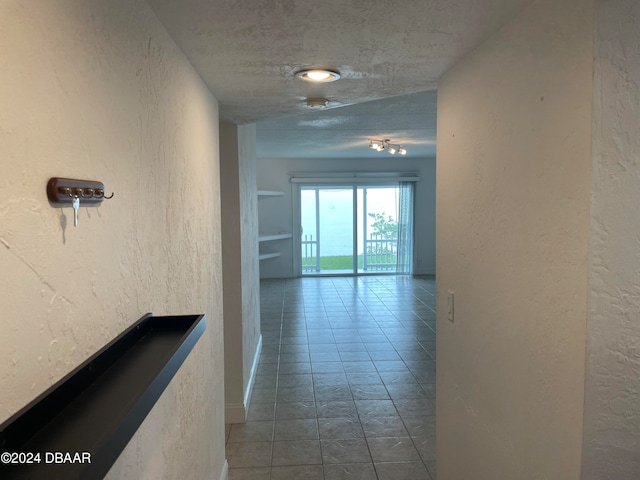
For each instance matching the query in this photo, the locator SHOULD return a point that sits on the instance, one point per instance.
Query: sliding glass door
(359, 229)
(327, 230)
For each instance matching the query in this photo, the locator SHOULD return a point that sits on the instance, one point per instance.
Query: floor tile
(333, 392)
(300, 429)
(359, 356)
(336, 409)
(402, 471)
(422, 425)
(306, 472)
(369, 392)
(263, 395)
(297, 452)
(296, 394)
(330, 379)
(327, 367)
(292, 368)
(251, 432)
(261, 411)
(393, 449)
(397, 378)
(352, 450)
(371, 378)
(249, 454)
(414, 406)
(351, 347)
(390, 366)
(346, 378)
(384, 355)
(411, 390)
(426, 447)
(375, 408)
(383, 427)
(431, 468)
(254, 473)
(265, 381)
(325, 357)
(359, 367)
(340, 428)
(353, 471)
(295, 380)
(295, 410)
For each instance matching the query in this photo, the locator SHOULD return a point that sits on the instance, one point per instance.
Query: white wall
(240, 265)
(276, 214)
(612, 391)
(98, 90)
(513, 184)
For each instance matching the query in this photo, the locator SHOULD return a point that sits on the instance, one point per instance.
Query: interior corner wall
(251, 340)
(276, 214)
(612, 390)
(240, 265)
(98, 90)
(512, 236)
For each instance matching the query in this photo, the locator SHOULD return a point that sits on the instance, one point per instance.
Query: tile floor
(345, 388)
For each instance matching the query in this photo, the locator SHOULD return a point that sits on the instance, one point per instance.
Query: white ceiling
(409, 120)
(247, 52)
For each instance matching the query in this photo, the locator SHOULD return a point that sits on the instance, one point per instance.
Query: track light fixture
(391, 148)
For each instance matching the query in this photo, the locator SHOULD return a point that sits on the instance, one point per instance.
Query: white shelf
(268, 238)
(268, 193)
(262, 194)
(266, 256)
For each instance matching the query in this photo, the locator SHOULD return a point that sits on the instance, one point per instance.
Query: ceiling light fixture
(391, 148)
(319, 75)
(317, 102)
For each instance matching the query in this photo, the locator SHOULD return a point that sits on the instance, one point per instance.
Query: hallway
(345, 388)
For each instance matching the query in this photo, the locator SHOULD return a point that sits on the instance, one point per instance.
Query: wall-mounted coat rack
(63, 191)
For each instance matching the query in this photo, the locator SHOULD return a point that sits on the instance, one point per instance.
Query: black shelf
(99, 406)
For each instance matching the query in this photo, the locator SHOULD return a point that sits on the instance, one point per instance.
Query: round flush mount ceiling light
(319, 75)
(317, 102)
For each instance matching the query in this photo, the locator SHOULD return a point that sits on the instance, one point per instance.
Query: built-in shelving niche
(99, 406)
(262, 194)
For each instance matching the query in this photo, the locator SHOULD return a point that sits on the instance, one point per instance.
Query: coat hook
(65, 190)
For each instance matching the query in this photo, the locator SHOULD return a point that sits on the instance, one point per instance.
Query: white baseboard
(237, 412)
(224, 475)
(252, 376)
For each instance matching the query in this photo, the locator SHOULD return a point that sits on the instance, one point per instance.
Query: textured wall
(276, 213)
(512, 235)
(612, 391)
(231, 267)
(240, 263)
(92, 89)
(249, 241)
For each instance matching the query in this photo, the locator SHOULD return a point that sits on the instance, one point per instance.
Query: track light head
(385, 144)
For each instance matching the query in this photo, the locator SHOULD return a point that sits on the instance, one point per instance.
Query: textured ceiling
(248, 50)
(409, 120)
